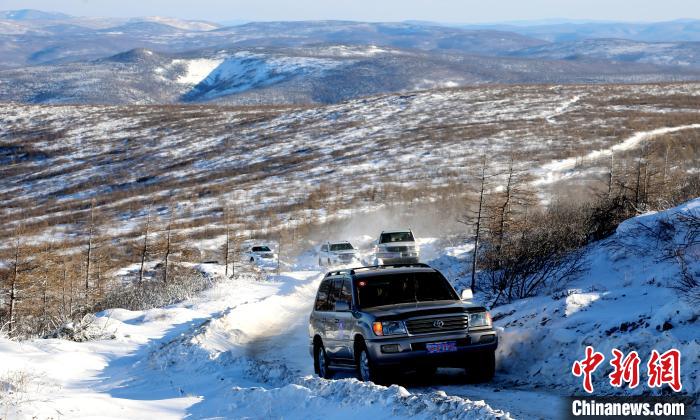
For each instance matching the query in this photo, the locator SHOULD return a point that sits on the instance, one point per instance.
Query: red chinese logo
(624, 369)
(663, 369)
(587, 366)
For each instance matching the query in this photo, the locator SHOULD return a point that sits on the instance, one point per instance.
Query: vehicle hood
(408, 310)
(345, 252)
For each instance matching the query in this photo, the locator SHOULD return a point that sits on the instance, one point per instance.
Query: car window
(392, 289)
(324, 248)
(322, 296)
(341, 247)
(335, 294)
(396, 237)
(346, 293)
(260, 249)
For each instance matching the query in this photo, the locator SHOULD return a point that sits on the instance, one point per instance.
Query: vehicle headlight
(388, 328)
(480, 319)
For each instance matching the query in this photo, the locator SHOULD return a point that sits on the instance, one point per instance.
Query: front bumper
(412, 352)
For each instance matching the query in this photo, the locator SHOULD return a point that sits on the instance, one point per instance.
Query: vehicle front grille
(346, 257)
(428, 325)
(397, 249)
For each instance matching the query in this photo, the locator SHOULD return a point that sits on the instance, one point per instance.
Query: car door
(344, 320)
(332, 321)
(319, 320)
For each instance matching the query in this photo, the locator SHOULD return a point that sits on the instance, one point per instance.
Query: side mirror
(342, 306)
(467, 294)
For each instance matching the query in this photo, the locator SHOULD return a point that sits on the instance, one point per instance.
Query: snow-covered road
(240, 349)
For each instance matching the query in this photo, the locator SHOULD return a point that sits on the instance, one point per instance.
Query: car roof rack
(375, 267)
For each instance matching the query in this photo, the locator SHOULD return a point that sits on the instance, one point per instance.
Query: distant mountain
(328, 73)
(661, 53)
(29, 14)
(672, 31)
(65, 41)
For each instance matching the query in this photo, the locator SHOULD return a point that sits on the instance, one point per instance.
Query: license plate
(443, 347)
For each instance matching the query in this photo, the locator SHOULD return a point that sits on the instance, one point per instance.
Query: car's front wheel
(367, 371)
(321, 363)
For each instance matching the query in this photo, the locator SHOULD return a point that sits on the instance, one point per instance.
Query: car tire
(366, 370)
(320, 262)
(252, 259)
(482, 367)
(321, 366)
(329, 261)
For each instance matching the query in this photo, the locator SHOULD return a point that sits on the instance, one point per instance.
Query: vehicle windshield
(396, 237)
(392, 289)
(260, 249)
(341, 247)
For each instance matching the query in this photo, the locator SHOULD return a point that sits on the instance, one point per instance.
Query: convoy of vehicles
(337, 253)
(383, 319)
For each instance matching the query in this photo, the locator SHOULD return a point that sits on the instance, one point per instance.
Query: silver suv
(377, 320)
(396, 247)
(337, 253)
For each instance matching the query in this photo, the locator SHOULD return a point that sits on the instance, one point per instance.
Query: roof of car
(397, 230)
(338, 242)
(380, 270)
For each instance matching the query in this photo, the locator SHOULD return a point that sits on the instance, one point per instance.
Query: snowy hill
(628, 300)
(328, 73)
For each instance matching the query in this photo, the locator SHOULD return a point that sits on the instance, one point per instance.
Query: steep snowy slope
(627, 300)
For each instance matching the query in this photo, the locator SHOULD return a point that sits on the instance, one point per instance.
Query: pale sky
(460, 11)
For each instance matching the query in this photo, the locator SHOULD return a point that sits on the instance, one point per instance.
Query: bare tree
(476, 220)
(168, 243)
(144, 247)
(14, 283)
(88, 258)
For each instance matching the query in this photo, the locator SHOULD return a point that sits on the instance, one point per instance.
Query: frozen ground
(240, 349)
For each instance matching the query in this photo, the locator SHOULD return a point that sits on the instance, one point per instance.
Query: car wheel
(366, 369)
(252, 259)
(329, 261)
(321, 363)
(482, 367)
(320, 263)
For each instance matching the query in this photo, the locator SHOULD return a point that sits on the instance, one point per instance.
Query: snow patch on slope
(196, 70)
(245, 70)
(558, 170)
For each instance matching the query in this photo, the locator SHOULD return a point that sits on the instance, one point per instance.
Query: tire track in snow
(561, 109)
(560, 169)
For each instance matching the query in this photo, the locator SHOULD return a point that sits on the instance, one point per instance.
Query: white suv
(396, 247)
(337, 253)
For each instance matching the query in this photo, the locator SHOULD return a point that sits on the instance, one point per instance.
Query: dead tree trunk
(89, 252)
(13, 288)
(228, 242)
(144, 248)
(477, 227)
(611, 174)
(503, 210)
(167, 246)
